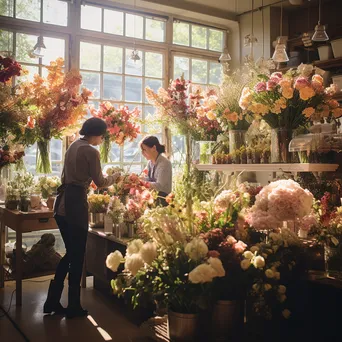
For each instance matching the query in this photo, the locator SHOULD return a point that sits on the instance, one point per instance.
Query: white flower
(245, 264)
(267, 287)
(134, 263)
(282, 289)
(203, 273)
(134, 247)
(196, 249)
(248, 255)
(259, 262)
(305, 69)
(113, 260)
(216, 264)
(148, 252)
(286, 313)
(269, 273)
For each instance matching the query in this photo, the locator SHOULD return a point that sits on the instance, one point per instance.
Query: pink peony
(301, 83)
(261, 86)
(271, 84)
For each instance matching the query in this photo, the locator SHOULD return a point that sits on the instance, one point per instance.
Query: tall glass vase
(280, 140)
(237, 139)
(105, 150)
(43, 164)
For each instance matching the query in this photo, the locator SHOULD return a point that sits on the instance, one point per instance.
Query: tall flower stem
(188, 197)
(104, 150)
(43, 161)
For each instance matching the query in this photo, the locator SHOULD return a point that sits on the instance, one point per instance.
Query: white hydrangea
(134, 263)
(216, 264)
(196, 249)
(258, 262)
(148, 252)
(248, 255)
(203, 273)
(113, 260)
(134, 247)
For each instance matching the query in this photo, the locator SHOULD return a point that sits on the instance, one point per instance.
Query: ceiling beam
(198, 8)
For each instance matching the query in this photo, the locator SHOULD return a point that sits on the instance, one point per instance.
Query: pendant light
(225, 56)
(250, 39)
(280, 55)
(38, 48)
(134, 54)
(320, 35)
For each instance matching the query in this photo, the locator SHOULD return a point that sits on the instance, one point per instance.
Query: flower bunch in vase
(116, 209)
(121, 126)
(58, 106)
(47, 186)
(133, 211)
(98, 203)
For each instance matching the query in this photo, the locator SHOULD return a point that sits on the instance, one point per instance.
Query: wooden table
(21, 223)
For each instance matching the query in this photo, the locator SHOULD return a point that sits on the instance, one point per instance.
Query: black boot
(52, 304)
(74, 308)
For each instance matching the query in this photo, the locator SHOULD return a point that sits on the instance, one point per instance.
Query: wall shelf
(299, 167)
(329, 64)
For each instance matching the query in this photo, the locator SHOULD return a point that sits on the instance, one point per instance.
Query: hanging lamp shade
(280, 55)
(320, 35)
(225, 56)
(134, 56)
(38, 48)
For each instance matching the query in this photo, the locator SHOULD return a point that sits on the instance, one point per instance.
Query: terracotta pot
(182, 327)
(50, 202)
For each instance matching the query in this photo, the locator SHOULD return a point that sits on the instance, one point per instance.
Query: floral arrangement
(57, 104)
(20, 186)
(98, 203)
(48, 185)
(290, 100)
(283, 200)
(121, 125)
(133, 211)
(10, 155)
(115, 209)
(8, 68)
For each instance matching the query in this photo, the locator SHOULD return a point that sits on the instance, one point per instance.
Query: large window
(46, 11)
(112, 76)
(122, 24)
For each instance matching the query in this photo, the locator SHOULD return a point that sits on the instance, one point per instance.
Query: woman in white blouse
(159, 168)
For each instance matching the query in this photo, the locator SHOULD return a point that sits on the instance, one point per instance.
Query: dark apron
(75, 202)
(161, 195)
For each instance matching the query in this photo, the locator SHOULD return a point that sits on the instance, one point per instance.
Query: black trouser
(75, 239)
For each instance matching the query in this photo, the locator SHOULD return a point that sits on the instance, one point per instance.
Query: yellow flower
(308, 111)
(233, 117)
(287, 93)
(317, 78)
(285, 83)
(306, 93)
(211, 115)
(212, 104)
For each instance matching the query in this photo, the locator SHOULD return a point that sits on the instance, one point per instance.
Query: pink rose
(301, 83)
(277, 74)
(240, 247)
(261, 86)
(270, 85)
(231, 240)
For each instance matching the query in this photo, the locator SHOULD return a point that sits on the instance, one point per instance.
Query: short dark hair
(93, 127)
(151, 141)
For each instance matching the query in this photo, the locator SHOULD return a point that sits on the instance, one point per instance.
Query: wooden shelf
(329, 64)
(300, 167)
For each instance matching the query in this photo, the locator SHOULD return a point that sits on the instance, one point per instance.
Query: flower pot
(96, 220)
(43, 164)
(50, 202)
(24, 204)
(108, 224)
(337, 47)
(11, 204)
(35, 201)
(182, 327)
(237, 139)
(280, 140)
(333, 261)
(227, 320)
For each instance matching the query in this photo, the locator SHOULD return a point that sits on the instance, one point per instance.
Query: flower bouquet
(116, 210)
(58, 107)
(48, 185)
(98, 203)
(121, 126)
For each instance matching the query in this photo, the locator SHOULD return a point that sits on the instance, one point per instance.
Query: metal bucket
(96, 220)
(182, 327)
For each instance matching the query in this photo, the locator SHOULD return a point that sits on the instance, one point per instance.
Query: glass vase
(43, 164)
(237, 139)
(105, 150)
(280, 140)
(24, 204)
(333, 261)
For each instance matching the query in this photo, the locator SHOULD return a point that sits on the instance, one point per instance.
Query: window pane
(153, 84)
(91, 18)
(132, 152)
(178, 150)
(112, 87)
(114, 155)
(32, 70)
(151, 126)
(112, 59)
(199, 37)
(199, 71)
(30, 158)
(90, 56)
(6, 8)
(133, 168)
(91, 80)
(153, 64)
(24, 47)
(181, 33)
(55, 12)
(113, 22)
(6, 41)
(155, 30)
(56, 169)
(181, 66)
(28, 10)
(56, 148)
(134, 26)
(54, 48)
(215, 73)
(133, 67)
(133, 89)
(215, 40)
